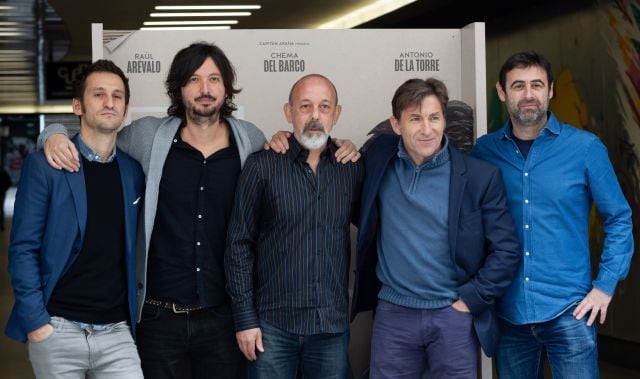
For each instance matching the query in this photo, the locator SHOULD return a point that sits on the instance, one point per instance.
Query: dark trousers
(198, 344)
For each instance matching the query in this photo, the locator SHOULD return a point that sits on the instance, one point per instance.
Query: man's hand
(249, 340)
(279, 142)
(460, 306)
(347, 151)
(595, 301)
(40, 334)
(61, 153)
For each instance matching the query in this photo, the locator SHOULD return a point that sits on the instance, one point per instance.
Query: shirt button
(201, 188)
(198, 269)
(526, 201)
(175, 140)
(526, 279)
(526, 253)
(199, 216)
(526, 226)
(526, 174)
(198, 243)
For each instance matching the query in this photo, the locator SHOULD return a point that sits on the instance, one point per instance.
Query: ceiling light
(11, 34)
(26, 109)
(364, 14)
(6, 7)
(220, 27)
(209, 22)
(201, 14)
(8, 23)
(204, 7)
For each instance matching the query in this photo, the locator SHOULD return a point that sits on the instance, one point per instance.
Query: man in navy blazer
(72, 249)
(436, 244)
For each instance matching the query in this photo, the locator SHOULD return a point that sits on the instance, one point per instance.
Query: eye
(193, 79)
(214, 79)
(415, 119)
(518, 86)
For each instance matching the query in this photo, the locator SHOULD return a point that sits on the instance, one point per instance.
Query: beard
(311, 138)
(201, 114)
(528, 117)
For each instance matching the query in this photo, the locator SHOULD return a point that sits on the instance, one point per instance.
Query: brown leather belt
(176, 308)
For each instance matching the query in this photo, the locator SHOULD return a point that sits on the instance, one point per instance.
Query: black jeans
(200, 344)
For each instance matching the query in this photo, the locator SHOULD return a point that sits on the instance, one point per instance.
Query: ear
(551, 91)
(500, 92)
(395, 125)
(287, 113)
(337, 114)
(76, 105)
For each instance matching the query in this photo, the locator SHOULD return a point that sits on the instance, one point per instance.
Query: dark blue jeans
(322, 356)
(570, 346)
(405, 338)
(201, 344)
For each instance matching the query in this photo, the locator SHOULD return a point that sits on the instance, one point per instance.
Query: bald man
(288, 247)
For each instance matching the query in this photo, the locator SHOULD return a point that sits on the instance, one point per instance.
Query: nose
(204, 87)
(528, 92)
(315, 114)
(425, 128)
(109, 101)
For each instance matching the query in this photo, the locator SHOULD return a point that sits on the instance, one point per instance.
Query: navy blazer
(484, 244)
(47, 234)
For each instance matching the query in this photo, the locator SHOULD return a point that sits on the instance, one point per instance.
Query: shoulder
(151, 122)
(245, 126)
(380, 142)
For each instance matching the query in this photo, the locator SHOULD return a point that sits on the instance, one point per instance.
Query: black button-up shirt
(288, 249)
(186, 253)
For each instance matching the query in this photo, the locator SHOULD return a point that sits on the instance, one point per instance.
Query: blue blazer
(47, 234)
(483, 241)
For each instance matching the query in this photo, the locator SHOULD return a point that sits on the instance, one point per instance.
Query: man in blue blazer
(436, 244)
(72, 249)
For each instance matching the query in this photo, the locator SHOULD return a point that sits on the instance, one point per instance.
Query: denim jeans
(322, 356)
(570, 346)
(74, 352)
(200, 344)
(406, 339)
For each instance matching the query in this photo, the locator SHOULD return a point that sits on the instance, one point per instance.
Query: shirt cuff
(606, 283)
(245, 318)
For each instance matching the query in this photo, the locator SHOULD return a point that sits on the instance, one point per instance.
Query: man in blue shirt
(553, 173)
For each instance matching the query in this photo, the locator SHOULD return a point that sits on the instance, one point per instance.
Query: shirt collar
(552, 126)
(91, 154)
(299, 152)
(441, 156)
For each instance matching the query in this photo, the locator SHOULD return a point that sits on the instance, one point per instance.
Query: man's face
(313, 111)
(527, 95)
(204, 94)
(421, 127)
(102, 107)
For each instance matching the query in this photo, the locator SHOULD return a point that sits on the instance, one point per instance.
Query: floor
(13, 355)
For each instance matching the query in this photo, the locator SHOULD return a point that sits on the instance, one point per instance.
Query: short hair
(186, 62)
(101, 65)
(413, 91)
(525, 59)
(293, 87)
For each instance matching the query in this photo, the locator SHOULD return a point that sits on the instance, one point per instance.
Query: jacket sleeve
(502, 250)
(29, 222)
(241, 239)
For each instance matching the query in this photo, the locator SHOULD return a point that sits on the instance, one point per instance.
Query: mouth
(205, 100)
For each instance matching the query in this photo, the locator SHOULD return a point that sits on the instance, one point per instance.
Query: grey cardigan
(148, 141)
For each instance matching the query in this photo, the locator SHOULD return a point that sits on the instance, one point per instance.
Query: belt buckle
(177, 311)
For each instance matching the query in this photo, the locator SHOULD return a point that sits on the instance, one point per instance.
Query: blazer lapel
(79, 193)
(457, 184)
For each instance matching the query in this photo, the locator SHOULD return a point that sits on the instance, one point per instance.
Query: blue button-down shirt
(550, 194)
(91, 154)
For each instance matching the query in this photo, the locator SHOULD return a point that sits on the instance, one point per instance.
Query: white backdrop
(365, 65)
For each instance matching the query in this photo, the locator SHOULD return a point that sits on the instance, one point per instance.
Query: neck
(527, 132)
(102, 143)
(206, 137)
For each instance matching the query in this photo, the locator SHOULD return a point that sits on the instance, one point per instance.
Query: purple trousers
(407, 342)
